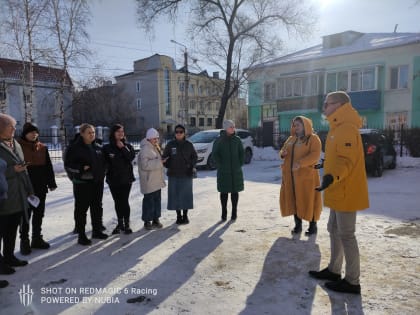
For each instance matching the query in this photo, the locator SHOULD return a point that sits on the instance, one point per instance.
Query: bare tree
(68, 21)
(23, 24)
(233, 34)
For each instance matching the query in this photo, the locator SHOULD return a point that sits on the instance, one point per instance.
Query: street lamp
(186, 82)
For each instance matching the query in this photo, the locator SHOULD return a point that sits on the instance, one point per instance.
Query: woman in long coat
(180, 164)
(298, 197)
(228, 154)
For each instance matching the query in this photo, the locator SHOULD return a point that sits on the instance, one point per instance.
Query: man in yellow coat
(346, 191)
(300, 153)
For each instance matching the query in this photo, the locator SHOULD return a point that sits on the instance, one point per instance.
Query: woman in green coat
(228, 154)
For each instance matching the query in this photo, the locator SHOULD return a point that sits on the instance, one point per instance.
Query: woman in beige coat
(298, 197)
(150, 166)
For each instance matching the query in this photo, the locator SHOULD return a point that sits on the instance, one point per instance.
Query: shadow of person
(345, 303)
(284, 286)
(74, 267)
(166, 278)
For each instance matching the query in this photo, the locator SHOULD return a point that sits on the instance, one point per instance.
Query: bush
(412, 141)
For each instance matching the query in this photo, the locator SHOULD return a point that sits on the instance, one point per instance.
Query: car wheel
(393, 164)
(210, 163)
(379, 168)
(248, 156)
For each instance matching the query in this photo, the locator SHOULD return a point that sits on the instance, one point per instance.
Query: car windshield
(203, 137)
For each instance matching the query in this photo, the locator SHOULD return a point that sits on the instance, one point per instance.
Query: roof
(13, 69)
(358, 42)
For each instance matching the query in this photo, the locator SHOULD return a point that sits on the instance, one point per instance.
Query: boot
(156, 224)
(148, 225)
(185, 217)
(178, 217)
(3, 283)
(298, 225)
(127, 229)
(99, 234)
(313, 229)
(119, 227)
(25, 248)
(83, 240)
(224, 214)
(38, 242)
(234, 214)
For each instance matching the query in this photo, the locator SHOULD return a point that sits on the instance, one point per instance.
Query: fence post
(401, 139)
(54, 134)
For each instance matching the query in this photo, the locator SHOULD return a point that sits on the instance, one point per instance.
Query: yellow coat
(297, 191)
(345, 161)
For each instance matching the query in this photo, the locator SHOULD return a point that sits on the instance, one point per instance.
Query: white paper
(33, 200)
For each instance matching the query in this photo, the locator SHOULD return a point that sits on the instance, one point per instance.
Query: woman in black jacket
(85, 163)
(119, 155)
(181, 160)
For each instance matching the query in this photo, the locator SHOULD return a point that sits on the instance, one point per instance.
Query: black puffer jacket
(119, 167)
(80, 154)
(182, 158)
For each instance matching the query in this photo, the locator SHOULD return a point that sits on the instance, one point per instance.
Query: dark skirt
(180, 193)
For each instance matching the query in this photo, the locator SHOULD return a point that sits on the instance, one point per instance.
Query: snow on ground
(252, 266)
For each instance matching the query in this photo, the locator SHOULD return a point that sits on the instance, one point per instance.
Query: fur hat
(228, 123)
(27, 128)
(152, 133)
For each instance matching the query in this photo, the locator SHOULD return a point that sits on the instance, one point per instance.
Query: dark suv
(379, 151)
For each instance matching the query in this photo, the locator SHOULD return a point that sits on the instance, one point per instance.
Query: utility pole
(184, 110)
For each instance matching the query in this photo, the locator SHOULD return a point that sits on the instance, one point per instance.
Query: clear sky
(117, 40)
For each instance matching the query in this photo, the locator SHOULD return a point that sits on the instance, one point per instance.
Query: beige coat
(150, 168)
(299, 177)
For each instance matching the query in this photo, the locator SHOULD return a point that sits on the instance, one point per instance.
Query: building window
(201, 122)
(280, 88)
(138, 86)
(209, 107)
(399, 77)
(192, 121)
(192, 104)
(269, 91)
(331, 82)
(181, 86)
(192, 89)
(209, 122)
(342, 81)
(297, 87)
(138, 104)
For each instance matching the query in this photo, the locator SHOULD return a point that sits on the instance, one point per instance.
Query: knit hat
(228, 123)
(27, 128)
(152, 133)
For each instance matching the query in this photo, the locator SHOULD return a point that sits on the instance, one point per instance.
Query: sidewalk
(252, 266)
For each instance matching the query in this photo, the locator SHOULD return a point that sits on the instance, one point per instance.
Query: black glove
(327, 180)
(319, 165)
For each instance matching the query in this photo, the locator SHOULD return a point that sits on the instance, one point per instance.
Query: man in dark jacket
(42, 178)
(228, 154)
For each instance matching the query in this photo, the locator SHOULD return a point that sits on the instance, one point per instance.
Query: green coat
(228, 154)
(19, 184)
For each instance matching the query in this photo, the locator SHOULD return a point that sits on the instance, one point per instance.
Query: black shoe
(233, 217)
(156, 224)
(99, 235)
(297, 229)
(25, 247)
(148, 225)
(83, 240)
(312, 229)
(6, 270)
(38, 242)
(128, 230)
(325, 274)
(15, 262)
(179, 219)
(117, 230)
(343, 286)
(4, 283)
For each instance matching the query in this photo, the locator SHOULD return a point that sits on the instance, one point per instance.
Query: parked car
(379, 152)
(203, 144)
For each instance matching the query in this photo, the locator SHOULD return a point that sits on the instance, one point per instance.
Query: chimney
(216, 75)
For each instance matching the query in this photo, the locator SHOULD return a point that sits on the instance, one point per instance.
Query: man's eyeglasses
(179, 131)
(326, 104)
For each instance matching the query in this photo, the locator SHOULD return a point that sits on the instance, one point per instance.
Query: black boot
(119, 227)
(298, 225)
(185, 217)
(234, 215)
(224, 214)
(178, 217)
(38, 242)
(313, 229)
(127, 229)
(25, 247)
(83, 240)
(3, 283)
